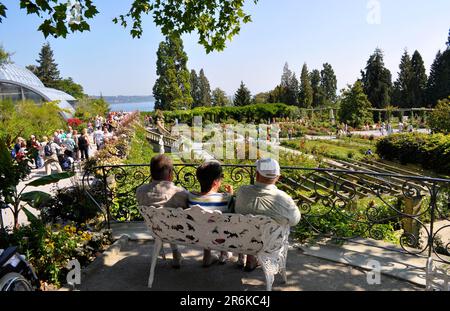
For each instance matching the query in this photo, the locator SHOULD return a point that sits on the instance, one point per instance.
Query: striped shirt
(213, 201)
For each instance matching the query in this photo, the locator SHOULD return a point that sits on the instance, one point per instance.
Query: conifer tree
(47, 69)
(438, 86)
(172, 89)
(318, 93)
(243, 96)
(402, 94)
(205, 90)
(306, 91)
(419, 82)
(377, 81)
(195, 89)
(328, 83)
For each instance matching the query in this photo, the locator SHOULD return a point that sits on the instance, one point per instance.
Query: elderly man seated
(264, 198)
(162, 192)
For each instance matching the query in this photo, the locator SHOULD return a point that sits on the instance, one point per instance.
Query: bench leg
(156, 250)
(283, 263)
(269, 271)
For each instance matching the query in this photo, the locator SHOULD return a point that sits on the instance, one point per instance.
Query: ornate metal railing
(410, 211)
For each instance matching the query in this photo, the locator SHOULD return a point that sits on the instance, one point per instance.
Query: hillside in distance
(127, 99)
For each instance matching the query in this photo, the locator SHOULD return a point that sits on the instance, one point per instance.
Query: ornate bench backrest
(213, 230)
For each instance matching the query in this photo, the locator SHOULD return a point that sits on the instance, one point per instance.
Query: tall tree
(195, 89)
(377, 81)
(438, 86)
(214, 20)
(47, 69)
(402, 95)
(306, 91)
(243, 96)
(292, 91)
(276, 95)
(172, 89)
(289, 85)
(219, 98)
(328, 83)
(318, 92)
(261, 98)
(205, 90)
(419, 81)
(70, 87)
(355, 106)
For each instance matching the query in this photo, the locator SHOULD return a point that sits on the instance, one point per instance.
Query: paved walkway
(128, 270)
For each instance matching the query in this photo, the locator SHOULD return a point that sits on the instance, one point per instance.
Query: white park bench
(195, 227)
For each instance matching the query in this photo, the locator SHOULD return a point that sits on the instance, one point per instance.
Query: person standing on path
(83, 145)
(51, 150)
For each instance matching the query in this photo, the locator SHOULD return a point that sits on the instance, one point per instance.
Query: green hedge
(430, 151)
(258, 112)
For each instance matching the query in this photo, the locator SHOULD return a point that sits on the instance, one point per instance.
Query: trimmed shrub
(430, 151)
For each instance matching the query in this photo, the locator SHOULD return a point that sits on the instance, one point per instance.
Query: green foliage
(172, 89)
(249, 113)
(50, 248)
(219, 98)
(439, 120)
(419, 82)
(402, 93)
(205, 90)
(88, 108)
(430, 151)
(328, 83)
(318, 92)
(355, 106)
(289, 86)
(438, 83)
(214, 20)
(306, 90)
(70, 87)
(377, 81)
(195, 89)
(27, 118)
(47, 69)
(70, 205)
(350, 221)
(5, 56)
(340, 150)
(243, 96)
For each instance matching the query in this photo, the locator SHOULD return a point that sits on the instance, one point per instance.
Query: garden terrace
(335, 203)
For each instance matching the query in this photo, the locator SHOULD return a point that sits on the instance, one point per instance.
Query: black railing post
(252, 179)
(105, 193)
(433, 200)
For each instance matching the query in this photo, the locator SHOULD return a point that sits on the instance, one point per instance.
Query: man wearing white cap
(264, 198)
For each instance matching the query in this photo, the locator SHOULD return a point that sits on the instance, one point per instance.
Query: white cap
(268, 168)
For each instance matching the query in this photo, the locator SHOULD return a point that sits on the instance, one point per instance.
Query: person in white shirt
(99, 138)
(51, 150)
(264, 198)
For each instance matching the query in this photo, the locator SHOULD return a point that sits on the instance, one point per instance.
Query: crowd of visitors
(65, 147)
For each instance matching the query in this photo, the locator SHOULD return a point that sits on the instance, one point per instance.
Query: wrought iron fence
(410, 211)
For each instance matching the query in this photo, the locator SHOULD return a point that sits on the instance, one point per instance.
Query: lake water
(127, 107)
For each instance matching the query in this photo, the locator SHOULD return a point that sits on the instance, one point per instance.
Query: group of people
(262, 198)
(112, 120)
(64, 148)
(59, 151)
(388, 129)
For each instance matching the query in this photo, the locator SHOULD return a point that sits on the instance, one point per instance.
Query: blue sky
(108, 60)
